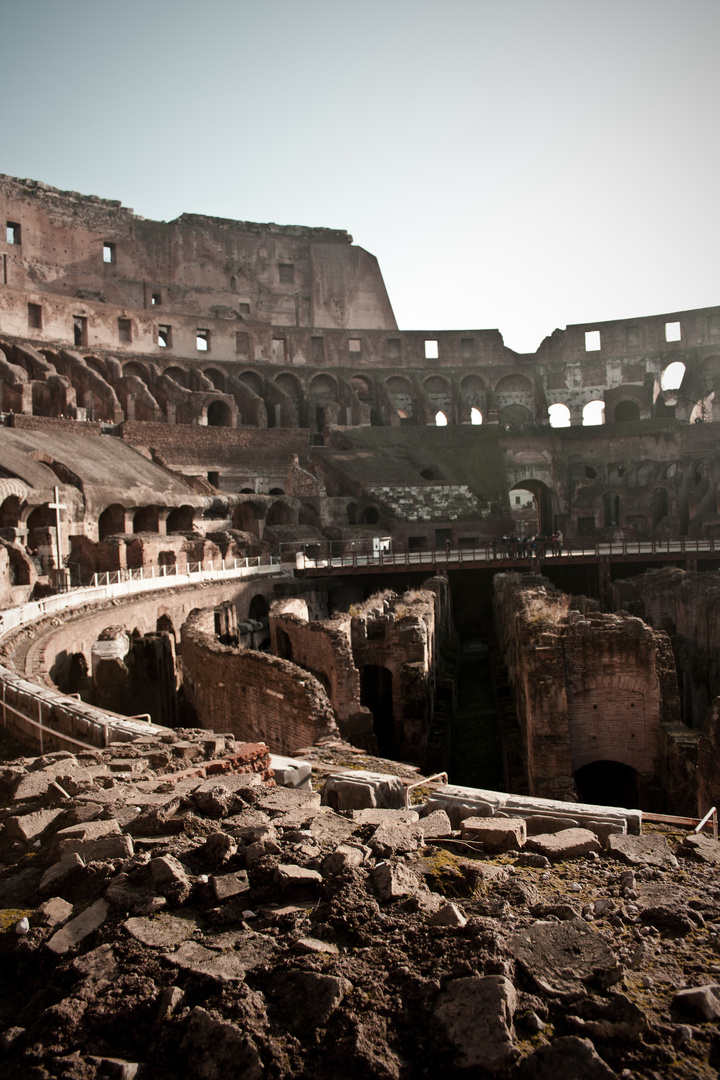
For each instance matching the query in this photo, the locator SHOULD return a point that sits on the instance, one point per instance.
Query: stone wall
(252, 694)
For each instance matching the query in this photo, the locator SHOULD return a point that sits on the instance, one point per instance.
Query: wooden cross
(57, 506)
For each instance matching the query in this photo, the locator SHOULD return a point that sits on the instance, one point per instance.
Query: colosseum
(220, 397)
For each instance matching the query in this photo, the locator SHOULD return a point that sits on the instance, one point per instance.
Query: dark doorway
(608, 783)
(376, 695)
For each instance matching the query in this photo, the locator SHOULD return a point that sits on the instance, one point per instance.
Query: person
(559, 542)
(494, 547)
(447, 547)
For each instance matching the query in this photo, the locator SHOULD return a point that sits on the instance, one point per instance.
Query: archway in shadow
(542, 499)
(376, 695)
(608, 783)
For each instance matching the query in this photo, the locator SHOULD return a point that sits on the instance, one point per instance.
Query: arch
(476, 417)
(290, 386)
(219, 414)
(370, 515)
(138, 370)
(401, 394)
(309, 515)
(611, 509)
(252, 380)
(515, 415)
(324, 386)
(96, 365)
(514, 400)
(258, 609)
(660, 505)
(362, 387)
(147, 519)
(276, 491)
(10, 512)
(246, 517)
(178, 375)
(216, 378)
(38, 522)
(164, 624)
(673, 375)
(180, 520)
(376, 694)
(594, 413)
(283, 644)
(542, 499)
(608, 783)
(626, 412)
(112, 521)
(474, 389)
(441, 419)
(559, 415)
(439, 393)
(278, 514)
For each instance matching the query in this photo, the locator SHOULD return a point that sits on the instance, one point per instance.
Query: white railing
(34, 706)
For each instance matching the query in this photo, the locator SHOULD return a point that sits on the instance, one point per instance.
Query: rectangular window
(34, 317)
(156, 299)
(287, 273)
(467, 348)
(632, 337)
(592, 340)
(202, 340)
(672, 331)
(108, 253)
(393, 348)
(80, 329)
(431, 350)
(278, 350)
(164, 336)
(12, 232)
(714, 325)
(242, 343)
(355, 345)
(124, 330)
(244, 309)
(317, 346)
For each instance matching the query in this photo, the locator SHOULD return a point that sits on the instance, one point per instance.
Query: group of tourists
(514, 547)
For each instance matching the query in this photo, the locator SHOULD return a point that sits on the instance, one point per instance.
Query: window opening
(34, 317)
(287, 273)
(441, 419)
(80, 329)
(202, 340)
(164, 337)
(108, 253)
(354, 345)
(156, 299)
(559, 415)
(431, 350)
(12, 232)
(672, 376)
(244, 309)
(242, 343)
(672, 331)
(592, 340)
(278, 350)
(476, 416)
(124, 330)
(594, 413)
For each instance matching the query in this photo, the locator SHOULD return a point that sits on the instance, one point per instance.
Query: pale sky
(519, 165)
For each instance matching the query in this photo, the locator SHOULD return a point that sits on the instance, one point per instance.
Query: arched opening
(137, 370)
(10, 513)
(111, 521)
(539, 515)
(246, 518)
(608, 783)
(559, 415)
(370, 515)
(401, 394)
(276, 491)
(627, 411)
(216, 378)
(39, 521)
(611, 509)
(594, 413)
(660, 508)
(279, 514)
(180, 520)
(476, 417)
(283, 645)
(525, 512)
(309, 515)
(164, 624)
(147, 519)
(376, 695)
(441, 419)
(258, 609)
(439, 394)
(515, 416)
(219, 414)
(672, 376)
(177, 375)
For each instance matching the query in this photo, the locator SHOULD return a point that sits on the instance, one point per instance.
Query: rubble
(186, 924)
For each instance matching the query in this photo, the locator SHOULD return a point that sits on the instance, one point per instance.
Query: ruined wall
(588, 689)
(248, 693)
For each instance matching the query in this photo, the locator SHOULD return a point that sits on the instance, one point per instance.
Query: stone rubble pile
(164, 916)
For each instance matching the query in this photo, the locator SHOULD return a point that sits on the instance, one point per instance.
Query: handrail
(712, 813)
(441, 776)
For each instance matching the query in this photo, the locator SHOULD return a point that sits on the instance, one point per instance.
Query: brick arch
(614, 718)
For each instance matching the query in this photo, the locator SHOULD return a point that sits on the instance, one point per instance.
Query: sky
(516, 164)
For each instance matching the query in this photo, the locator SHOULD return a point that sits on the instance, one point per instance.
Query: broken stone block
(53, 912)
(344, 856)
(567, 844)
(390, 838)
(160, 931)
(650, 849)
(448, 915)
(701, 848)
(476, 1015)
(435, 825)
(79, 927)
(560, 956)
(704, 1000)
(306, 998)
(216, 1049)
(60, 872)
(28, 827)
(495, 834)
(359, 789)
(229, 885)
(393, 880)
(100, 849)
(169, 873)
(565, 1059)
(375, 816)
(297, 881)
(227, 965)
(546, 823)
(98, 965)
